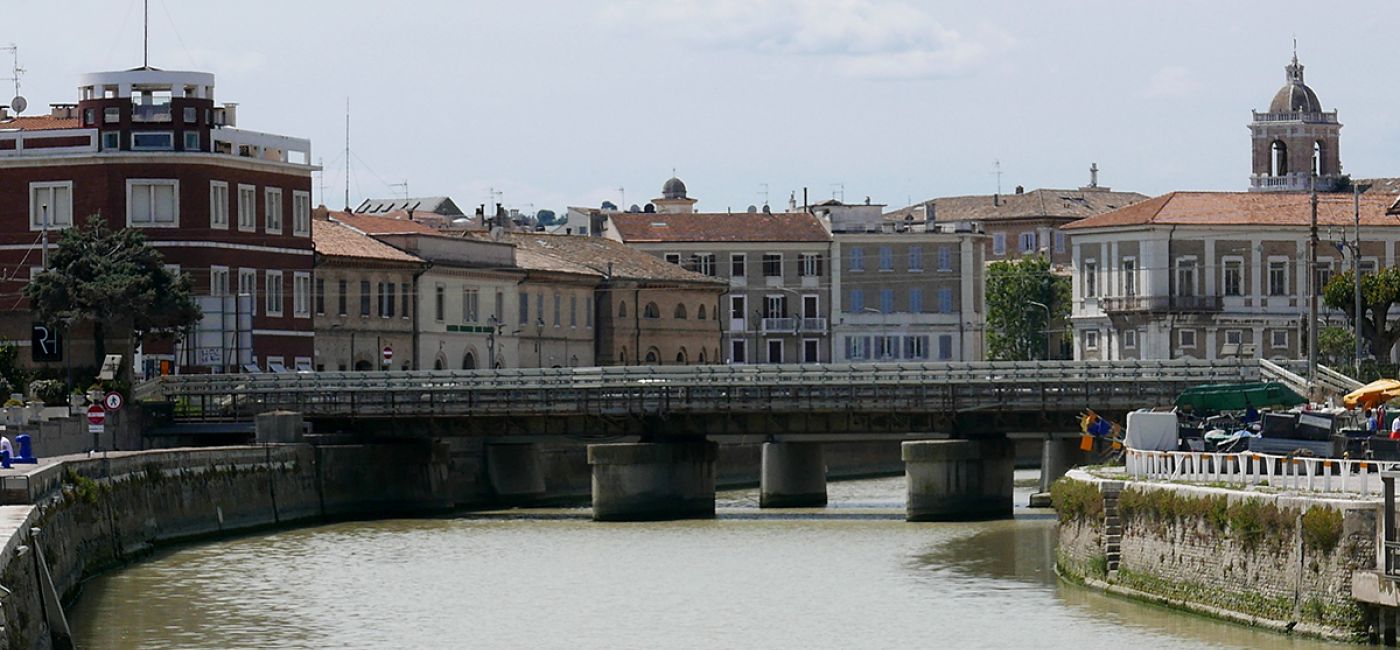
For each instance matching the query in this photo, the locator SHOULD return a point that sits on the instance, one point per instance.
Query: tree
(1016, 327)
(1379, 291)
(113, 280)
(546, 217)
(1336, 345)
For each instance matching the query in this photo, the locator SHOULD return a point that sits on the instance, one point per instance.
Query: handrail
(1307, 474)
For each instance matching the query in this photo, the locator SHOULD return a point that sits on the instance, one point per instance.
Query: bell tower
(1295, 139)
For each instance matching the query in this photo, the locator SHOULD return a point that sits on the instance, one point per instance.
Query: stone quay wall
(1283, 561)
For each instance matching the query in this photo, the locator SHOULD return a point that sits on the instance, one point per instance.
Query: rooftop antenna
(347, 154)
(15, 70)
(621, 196)
(403, 185)
(838, 192)
(321, 162)
(146, 35)
(996, 167)
(764, 192)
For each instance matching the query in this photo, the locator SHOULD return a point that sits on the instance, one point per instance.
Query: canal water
(853, 575)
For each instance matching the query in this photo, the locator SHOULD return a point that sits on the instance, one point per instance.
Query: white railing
(779, 325)
(1305, 474)
(39, 143)
(265, 146)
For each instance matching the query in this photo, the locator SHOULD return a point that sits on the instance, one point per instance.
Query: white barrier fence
(1299, 473)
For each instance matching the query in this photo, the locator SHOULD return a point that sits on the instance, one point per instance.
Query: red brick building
(150, 149)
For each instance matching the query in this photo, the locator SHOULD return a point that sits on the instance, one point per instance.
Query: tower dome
(673, 189)
(1295, 96)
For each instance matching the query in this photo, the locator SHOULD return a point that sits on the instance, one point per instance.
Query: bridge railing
(1303, 474)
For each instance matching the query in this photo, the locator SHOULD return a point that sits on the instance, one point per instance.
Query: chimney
(231, 114)
(1020, 189)
(4, 112)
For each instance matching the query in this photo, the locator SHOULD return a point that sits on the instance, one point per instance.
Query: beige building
(363, 300)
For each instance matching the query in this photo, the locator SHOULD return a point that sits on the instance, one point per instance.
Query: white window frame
(1269, 277)
(743, 261)
(217, 288)
(131, 188)
(1130, 339)
(1091, 339)
(137, 135)
(673, 258)
(301, 294)
(1026, 242)
(1184, 264)
(247, 208)
(1181, 341)
(250, 288)
(36, 212)
(301, 213)
(1128, 278)
(1089, 278)
(1236, 263)
(218, 207)
(273, 293)
(1234, 337)
(272, 219)
(1274, 338)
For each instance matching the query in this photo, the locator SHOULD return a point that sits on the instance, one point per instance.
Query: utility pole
(1356, 276)
(1312, 282)
(44, 237)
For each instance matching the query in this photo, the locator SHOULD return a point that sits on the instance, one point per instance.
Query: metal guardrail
(900, 387)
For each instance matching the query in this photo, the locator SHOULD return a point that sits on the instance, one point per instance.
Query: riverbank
(1269, 559)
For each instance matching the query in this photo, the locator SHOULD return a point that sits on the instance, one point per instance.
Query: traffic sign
(96, 418)
(388, 355)
(113, 401)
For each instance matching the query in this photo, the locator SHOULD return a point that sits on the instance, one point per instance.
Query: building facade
(1295, 145)
(150, 149)
(364, 298)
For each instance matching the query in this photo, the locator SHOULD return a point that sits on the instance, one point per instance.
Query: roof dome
(673, 189)
(1295, 96)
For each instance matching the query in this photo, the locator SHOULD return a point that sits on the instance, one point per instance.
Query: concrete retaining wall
(1254, 557)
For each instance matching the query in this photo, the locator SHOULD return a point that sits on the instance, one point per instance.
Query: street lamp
(495, 325)
(1032, 303)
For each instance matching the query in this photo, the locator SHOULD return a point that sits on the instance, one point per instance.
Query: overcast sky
(562, 102)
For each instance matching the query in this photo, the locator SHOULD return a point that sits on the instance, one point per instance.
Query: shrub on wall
(1077, 501)
(1322, 529)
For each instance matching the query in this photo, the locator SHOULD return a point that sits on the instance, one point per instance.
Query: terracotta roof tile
(1053, 203)
(635, 227)
(1244, 209)
(383, 225)
(337, 240)
(597, 256)
(40, 123)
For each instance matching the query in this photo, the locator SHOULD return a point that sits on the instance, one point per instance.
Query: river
(853, 575)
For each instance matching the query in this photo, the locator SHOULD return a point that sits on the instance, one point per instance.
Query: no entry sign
(388, 354)
(96, 415)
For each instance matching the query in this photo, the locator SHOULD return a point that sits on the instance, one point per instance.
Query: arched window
(700, 314)
(1317, 158)
(1278, 159)
(651, 311)
(622, 309)
(653, 355)
(469, 361)
(702, 356)
(680, 311)
(622, 356)
(362, 366)
(438, 364)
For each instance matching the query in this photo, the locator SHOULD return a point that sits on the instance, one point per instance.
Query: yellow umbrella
(1376, 392)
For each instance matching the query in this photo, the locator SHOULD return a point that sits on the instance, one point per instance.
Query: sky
(548, 103)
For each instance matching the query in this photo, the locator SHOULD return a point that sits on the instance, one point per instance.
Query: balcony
(1325, 117)
(1148, 304)
(779, 325)
(812, 325)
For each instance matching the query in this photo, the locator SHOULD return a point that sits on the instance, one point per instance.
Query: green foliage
(51, 392)
(1336, 346)
(1016, 326)
(12, 402)
(10, 370)
(113, 280)
(1077, 501)
(1322, 529)
(1252, 521)
(1379, 291)
(81, 486)
(1249, 522)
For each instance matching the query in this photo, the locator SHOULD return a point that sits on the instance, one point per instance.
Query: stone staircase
(1112, 526)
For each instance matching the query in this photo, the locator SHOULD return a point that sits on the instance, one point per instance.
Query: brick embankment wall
(1282, 561)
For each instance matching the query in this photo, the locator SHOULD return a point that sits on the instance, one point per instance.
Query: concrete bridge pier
(515, 473)
(653, 481)
(793, 475)
(959, 480)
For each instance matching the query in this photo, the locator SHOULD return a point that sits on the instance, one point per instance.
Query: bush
(51, 392)
(1322, 529)
(1077, 501)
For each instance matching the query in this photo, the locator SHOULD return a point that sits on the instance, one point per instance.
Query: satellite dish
(753, 209)
(19, 103)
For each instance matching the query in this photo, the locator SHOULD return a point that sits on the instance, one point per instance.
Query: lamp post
(1046, 307)
(495, 325)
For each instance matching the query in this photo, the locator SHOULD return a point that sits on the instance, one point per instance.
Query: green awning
(1214, 398)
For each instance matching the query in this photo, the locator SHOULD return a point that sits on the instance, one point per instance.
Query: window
(1186, 338)
(738, 352)
(153, 203)
(1324, 275)
(111, 140)
(559, 309)
(272, 203)
(1091, 339)
(344, 297)
(248, 286)
(389, 300)
(945, 347)
(1233, 281)
(916, 258)
(439, 303)
(1186, 277)
(887, 301)
(775, 307)
(679, 313)
(247, 208)
(736, 307)
(471, 305)
(274, 293)
(588, 312)
(218, 205)
(381, 309)
(51, 202)
(857, 300)
(89, 117)
(1129, 276)
(1129, 339)
(1233, 337)
(674, 258)
(1278, 338)
(945, 300)
(406, 296)
(320, 296)
(539, 309)
(153, 141)
(1368, 266)
(704, 263)
(365, 297)
(1090, 279)
(301, 213)
(1027, 240)
(772, 265)
(218, 281)
(1278, 278)
(887, 347)
(651, 311)
(916, 300)
(857, 260)
(573, 311)
(191, 140)
(111, 115)
(809, 265)
(886, 258)
(857, 347)
(945, 258)
(999, 243)
(191, 115)
(737, 264)
(301, 295)
(524, 308)
(916, 347)
(1059, 242)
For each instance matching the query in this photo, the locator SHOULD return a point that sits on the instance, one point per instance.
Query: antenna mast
(403, 185)
(347, 154)
(15, 70)
(146, 35)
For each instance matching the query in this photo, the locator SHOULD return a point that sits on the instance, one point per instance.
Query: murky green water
(854, 575)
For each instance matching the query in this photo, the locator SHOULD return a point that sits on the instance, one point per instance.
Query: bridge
(954, 419)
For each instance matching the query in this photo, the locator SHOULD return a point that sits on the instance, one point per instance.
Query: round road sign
(388, 354)
(113, 401)
(96, 415)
